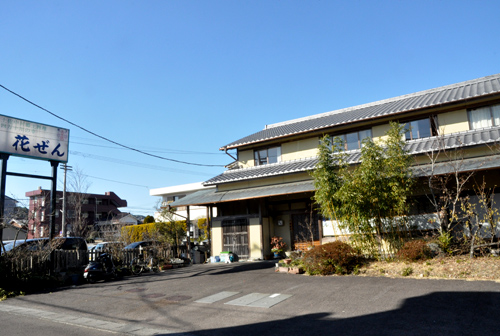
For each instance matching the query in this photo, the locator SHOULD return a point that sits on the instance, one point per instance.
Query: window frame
(258, 161)
(343, 137)
(490, 110)
(433, 128)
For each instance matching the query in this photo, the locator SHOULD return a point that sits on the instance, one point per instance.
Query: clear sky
(180, 79)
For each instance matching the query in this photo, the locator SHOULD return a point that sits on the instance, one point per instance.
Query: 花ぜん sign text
(33, 140)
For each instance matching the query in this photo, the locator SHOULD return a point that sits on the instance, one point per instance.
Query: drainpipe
(225, 151)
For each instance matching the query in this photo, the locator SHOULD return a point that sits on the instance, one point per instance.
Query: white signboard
(30, 139)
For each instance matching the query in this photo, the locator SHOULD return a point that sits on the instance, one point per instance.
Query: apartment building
(88, 209)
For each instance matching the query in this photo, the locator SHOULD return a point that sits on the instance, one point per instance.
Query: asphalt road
(249, 298)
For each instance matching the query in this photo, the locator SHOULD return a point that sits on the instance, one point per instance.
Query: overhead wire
(171, 151)
(104, 138)
(136, 164)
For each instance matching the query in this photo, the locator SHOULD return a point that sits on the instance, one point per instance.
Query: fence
(64, 260)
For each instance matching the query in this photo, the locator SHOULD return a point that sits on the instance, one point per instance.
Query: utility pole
(65, 167)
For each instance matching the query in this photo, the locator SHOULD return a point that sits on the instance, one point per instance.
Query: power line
(99, 178)
(131, 163)
(149, 149)
(104, 138)
(171, 151)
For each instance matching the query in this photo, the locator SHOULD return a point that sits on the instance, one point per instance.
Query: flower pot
(295, 270)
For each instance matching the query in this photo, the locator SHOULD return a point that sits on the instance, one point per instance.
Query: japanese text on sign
(25, 138)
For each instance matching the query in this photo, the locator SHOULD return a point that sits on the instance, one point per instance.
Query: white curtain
(480, 118)
(496, 114)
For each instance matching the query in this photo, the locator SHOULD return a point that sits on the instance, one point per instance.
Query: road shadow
(442, 313)
(244, 267)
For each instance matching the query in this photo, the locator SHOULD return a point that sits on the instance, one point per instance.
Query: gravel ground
(456, 267)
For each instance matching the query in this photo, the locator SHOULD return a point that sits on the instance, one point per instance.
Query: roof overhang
(458, 166)
(211, 196)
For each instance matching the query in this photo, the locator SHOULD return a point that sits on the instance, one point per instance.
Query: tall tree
(368, 201)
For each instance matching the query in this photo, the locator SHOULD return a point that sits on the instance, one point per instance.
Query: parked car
(141, 245)
(59, 243)
(106, 246)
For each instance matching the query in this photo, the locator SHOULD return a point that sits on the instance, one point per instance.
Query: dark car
(140, 245)
(58, 243)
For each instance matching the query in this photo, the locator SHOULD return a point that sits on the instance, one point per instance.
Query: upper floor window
(267, 156)
(354, 140)
(484, 117)
(422, 128)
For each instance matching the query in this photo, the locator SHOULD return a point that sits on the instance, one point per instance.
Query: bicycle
(139, 264)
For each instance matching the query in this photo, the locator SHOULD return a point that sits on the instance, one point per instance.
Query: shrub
(331, 258)
(407, 271)
(414, 250)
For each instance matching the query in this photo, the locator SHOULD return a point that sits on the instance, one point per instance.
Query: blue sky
(180, 79)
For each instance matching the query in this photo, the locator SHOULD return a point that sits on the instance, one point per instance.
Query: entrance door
(235, 237)
(305, 230)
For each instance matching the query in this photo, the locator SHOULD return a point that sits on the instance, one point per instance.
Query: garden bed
(453, 267)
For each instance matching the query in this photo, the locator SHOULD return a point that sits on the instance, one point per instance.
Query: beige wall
(378, 132)
(281, 231)
(246, 158)
(451, 122)
(264, 181)
(216, 238)
(301, 149)
(255, 240)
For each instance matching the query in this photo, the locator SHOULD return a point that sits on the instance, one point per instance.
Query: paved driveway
(249, 298)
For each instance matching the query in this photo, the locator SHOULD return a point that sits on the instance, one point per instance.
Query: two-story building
(268, 190)
(88, 209)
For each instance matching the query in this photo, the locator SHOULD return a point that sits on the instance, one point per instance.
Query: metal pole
(188, 240)
(3, 178)
(63, 219)
(53, 202)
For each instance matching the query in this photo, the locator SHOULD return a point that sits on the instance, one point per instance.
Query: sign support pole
(4, 158)
(53, 201)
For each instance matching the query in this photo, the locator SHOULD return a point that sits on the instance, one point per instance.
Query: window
(267, 156)
(484, 117)
(422, 128)
(354, 140)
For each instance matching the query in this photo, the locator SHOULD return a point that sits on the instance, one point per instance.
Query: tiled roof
(211, 196)
(424, 99)
(414, 147)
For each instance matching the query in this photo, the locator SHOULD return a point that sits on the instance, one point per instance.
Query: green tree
(148, 219)
(368, 201)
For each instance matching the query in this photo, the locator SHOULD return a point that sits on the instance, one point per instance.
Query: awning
(211, 196)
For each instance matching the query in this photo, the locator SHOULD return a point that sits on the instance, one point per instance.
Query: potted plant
(277, 246)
